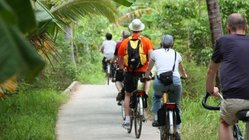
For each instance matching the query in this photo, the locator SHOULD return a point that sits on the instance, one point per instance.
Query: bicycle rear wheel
(131, 121)
(163, 133)
(122, 110)
(237, 133)
(170, 133)
(139, 115)
(108, 73)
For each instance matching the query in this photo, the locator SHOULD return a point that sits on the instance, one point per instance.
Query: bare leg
(225, 132)
(127, 103)
(147, 87)
(119, 86)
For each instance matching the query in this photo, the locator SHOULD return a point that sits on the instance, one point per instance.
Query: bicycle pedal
(144, 120)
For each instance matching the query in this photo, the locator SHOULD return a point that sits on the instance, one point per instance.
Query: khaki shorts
(230, 107)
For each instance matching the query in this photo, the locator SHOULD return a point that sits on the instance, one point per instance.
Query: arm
(121, 64)
(211, 75)
(151, 64)
(182, 71)
(102, 49)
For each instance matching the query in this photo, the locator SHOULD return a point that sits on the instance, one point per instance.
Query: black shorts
(119, 76)
(130, 81)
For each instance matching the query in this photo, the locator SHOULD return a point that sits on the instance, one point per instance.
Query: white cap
(136, 25)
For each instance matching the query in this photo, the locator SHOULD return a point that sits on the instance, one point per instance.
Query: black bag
(167, 77)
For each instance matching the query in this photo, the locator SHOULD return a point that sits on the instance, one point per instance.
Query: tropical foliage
(36, 32)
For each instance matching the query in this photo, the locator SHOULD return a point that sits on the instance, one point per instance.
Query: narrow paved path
(92, 114)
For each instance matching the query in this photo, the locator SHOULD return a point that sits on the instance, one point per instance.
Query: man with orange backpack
(134, 52)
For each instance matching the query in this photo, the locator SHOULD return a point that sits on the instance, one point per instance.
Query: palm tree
(214, 20)
(67, 12)
(14, 33)
(215, 25)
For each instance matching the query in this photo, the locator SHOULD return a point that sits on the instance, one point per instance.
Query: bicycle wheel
(138, 117)
(170, 125)
(131, 121)
(163, 132)
(108, 73)
(237, 133)
(122, 110)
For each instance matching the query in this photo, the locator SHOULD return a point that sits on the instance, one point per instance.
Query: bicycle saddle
(243, 115)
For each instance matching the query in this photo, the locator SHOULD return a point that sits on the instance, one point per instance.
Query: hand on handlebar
(215, 92)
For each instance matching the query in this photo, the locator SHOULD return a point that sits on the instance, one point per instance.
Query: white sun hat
(136, 25)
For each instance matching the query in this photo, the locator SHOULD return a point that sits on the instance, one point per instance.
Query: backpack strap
(174, 62)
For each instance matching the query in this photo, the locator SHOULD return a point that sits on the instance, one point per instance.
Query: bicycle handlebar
(208, 107)
(147, 79)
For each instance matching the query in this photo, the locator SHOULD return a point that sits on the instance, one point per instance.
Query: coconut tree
(215, 25)
(214, 20)
(19, 24)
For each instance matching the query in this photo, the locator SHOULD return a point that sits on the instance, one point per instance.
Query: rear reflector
(170, 105)
(140, 93)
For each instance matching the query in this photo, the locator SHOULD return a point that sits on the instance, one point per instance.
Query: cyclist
(107, 48)
(166, 59)
(131, 74)
(231, 57)
(119, 77)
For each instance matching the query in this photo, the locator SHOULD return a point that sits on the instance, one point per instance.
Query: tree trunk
(215, 26)
(214, 20)
(69, 40)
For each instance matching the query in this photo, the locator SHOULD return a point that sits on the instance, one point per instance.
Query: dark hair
(108, 36)
(236, 22)
(166, 46)
(136, 32)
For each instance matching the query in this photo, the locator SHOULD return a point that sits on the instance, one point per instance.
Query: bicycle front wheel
(139, 116)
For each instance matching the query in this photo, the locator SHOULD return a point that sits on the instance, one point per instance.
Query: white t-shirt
(164, 60)
(109, 47)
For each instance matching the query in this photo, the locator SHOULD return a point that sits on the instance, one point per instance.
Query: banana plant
(25, 21)
(18, 57)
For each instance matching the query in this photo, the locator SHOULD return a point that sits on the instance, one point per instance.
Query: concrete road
(92, 114)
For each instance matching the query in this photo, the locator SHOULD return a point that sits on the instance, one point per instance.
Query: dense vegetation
(78, 58)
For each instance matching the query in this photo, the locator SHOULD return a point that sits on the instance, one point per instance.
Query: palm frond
(74, 9)
(9, 86)
(133, 14)
(45, 47)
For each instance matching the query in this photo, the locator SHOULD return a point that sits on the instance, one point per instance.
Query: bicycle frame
(236, 130)
(137, 114)
(170, 111)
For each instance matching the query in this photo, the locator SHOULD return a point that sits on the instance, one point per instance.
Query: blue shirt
(232, 52)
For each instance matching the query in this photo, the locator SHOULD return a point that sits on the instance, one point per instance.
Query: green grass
(30, 116)
(198, 123)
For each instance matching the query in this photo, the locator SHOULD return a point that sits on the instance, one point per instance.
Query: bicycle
(167, 119)
(109, 70)
(242, 115)
(137, 111)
